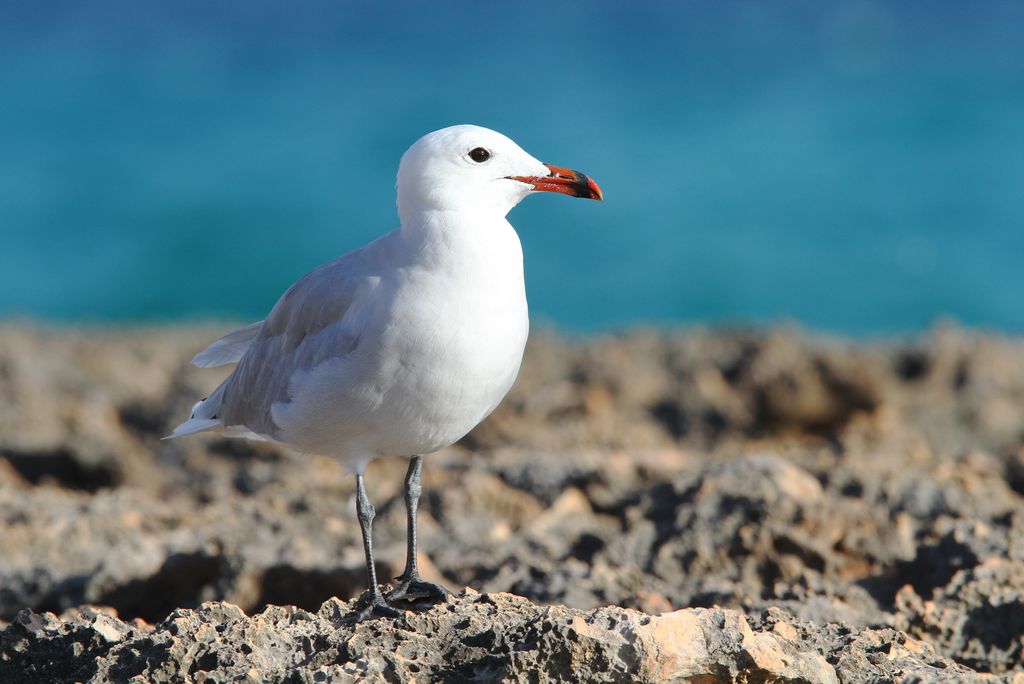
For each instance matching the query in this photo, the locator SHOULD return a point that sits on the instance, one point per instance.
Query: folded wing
(319, 319)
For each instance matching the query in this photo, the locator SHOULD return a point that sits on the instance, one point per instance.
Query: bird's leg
(373, 601)
(413, 586)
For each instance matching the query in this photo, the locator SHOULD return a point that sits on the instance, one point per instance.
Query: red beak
(565, 181)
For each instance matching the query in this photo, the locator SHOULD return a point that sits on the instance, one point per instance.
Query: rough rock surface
(471, 637)
(863, 495)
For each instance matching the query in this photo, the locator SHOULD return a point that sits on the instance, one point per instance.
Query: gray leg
(413, 586)
(413, 489)
(373, 600)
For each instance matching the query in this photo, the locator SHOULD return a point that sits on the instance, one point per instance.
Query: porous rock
(857, 488)
(469, 637)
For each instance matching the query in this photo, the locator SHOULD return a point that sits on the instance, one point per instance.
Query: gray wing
(318, 318)
(228, 349)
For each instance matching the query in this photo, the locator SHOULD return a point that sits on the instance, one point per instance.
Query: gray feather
(228, 349)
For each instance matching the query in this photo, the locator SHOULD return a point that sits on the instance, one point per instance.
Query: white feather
(193, 425)
(228, 349)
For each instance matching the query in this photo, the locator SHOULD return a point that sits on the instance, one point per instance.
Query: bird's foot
(414, 588)
(373, 605)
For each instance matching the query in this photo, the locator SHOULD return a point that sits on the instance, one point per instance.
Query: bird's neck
(464, 240)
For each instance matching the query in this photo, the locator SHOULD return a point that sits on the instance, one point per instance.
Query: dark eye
(479, 155)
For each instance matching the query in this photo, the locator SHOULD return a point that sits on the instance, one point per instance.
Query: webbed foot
(415, 588)
(373, 606)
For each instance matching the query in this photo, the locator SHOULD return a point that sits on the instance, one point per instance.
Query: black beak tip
(587, 188)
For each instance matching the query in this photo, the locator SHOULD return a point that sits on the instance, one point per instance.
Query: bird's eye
(479, 155)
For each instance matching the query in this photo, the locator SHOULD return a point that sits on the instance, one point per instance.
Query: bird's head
(473, 168)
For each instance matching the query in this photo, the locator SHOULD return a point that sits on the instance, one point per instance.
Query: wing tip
(192, 426)
(227, 349)
(205, 359)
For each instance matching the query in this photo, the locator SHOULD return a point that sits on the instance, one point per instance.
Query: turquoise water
(854, 166)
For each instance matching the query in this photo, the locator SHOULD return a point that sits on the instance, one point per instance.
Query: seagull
(402, 347)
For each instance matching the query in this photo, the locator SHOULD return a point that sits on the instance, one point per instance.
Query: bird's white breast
(460, 331)
(438, 358)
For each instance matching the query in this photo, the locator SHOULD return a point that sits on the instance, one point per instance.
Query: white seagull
(402, 347)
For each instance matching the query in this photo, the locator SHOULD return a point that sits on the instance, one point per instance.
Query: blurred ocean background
(853, 166)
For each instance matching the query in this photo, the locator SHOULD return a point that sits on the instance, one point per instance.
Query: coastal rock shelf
(797, 507)
(470, 637)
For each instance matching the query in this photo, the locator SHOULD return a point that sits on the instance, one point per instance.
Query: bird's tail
(203, 416)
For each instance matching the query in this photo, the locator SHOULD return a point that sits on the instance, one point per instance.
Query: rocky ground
(766, 506)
